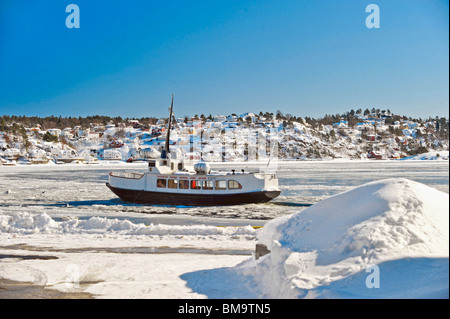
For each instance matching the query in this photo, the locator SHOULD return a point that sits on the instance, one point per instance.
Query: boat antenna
(166, 150)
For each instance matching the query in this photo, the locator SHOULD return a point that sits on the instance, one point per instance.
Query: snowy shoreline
(426, 157)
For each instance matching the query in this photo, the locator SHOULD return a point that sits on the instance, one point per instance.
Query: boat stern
(127, 180)
(270, 189)
(270, 181)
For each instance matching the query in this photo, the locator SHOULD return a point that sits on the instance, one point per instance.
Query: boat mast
(166, 150)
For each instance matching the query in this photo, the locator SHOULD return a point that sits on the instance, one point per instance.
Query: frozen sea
(82, 225)
(79, 190)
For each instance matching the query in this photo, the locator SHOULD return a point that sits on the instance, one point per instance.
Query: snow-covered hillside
(245, 138)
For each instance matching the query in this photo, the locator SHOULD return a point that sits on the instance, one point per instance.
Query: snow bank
(29, 223)
(392, 233)
(440, 155)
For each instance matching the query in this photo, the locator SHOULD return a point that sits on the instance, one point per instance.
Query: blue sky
(307, 58)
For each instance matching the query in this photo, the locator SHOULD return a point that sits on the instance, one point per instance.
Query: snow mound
(437, 155)
(29, 223)
(386, 229)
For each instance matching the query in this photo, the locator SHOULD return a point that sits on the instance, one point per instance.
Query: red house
(116, 144)
(374, 155)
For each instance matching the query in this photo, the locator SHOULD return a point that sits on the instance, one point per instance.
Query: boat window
(234, 185)
(161, 183)
(173, 183)
(208, 185)
(221, 184)
(196, 185)
(183, 184)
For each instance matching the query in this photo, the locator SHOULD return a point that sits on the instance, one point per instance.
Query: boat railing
(129, 175)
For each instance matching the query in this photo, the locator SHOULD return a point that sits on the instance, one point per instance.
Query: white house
(93, 136)
(220, 118)
(112, 155)
(11, 154)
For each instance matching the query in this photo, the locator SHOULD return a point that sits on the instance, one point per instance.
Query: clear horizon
(300, 57)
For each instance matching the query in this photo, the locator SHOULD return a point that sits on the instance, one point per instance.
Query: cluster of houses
(221, 138)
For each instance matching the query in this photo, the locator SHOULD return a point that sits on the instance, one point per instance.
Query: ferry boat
(171, 181)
